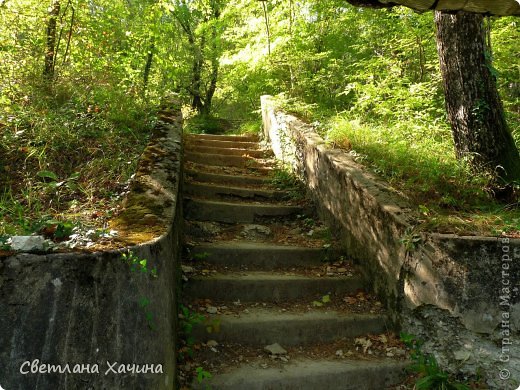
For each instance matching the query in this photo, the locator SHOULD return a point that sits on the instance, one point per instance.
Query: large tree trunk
(50, 53)
(474, 108)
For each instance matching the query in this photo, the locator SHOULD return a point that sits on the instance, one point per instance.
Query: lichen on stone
(149, 207)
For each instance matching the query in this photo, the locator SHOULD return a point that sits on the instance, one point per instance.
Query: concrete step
(192, 141)
(312, 375)
(222, 160)
(257, 286)
(205, 210)
(264, 327)
(219, 191)
(226, 179)
(229, 151)
(259, 255)
(234, 138)
(262, 172)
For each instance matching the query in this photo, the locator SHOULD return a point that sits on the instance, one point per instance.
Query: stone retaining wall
(89, 312)
(460, 294)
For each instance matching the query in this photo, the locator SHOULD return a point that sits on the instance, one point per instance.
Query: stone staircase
(282, 309)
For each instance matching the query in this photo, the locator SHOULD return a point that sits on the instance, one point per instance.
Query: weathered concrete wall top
(470, 280)
(86, 320)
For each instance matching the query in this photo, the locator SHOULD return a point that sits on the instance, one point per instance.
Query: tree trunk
(196, 77)
(473, 105)
(267, 29)
(50, 53)
(148, 64)
(215, 64)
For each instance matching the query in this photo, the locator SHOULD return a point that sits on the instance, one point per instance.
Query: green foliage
(188, 319)
(212, 325)
(137, 264)
(202, 375)
(4, 246)
(323, 301)
(431, 376)
(69, 142)
(200, 256)
(410, 240)
(370, 81)
(283, 179)
(204, 124)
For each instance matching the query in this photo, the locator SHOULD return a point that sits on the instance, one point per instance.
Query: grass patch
(67, 152)
(205, 124)
(283, 179)
(418, 159)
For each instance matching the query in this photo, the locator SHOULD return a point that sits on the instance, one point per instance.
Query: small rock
(364, 342)
(203, 229)
(389, 354)
(187, 269)
(462, 355)
(339, 353)
(264, 365)
(342, 270)
(256, 231)
(284, 359)
(28, 243)
(212, 343)
(212, 310)
(275, 349)
(57, 282)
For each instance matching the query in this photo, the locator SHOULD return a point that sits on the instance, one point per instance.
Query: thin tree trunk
(214, 64)
(148, 65)
(196, 79)
(69, 36)
(422, 60)
(473, 105)
(50, 53)
(268, 30)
